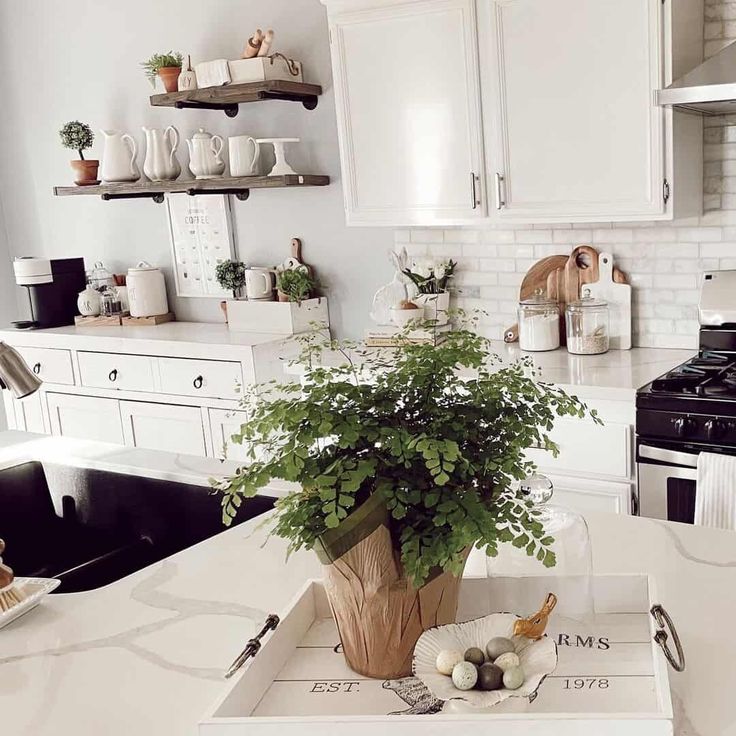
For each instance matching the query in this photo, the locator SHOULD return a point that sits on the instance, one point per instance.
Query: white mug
(244, 155)
(259, 284)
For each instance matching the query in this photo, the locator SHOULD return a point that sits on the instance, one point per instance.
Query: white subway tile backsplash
(663, 261)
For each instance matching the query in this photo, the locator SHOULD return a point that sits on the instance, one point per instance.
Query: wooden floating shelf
(238, 186)
(229, 96)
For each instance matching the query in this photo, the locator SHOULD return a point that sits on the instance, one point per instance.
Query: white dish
(35, 589)
(537, 658)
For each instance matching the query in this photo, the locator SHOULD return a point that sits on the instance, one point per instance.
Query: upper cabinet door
(571, 126)
(407, 96)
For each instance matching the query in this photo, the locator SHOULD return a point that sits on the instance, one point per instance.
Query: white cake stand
(281, 167)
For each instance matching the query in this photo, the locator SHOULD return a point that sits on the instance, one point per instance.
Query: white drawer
(217, 379)
(49, 364)
(587, 449)
(121, 372)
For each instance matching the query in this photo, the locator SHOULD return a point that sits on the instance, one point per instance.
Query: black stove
(689, 410)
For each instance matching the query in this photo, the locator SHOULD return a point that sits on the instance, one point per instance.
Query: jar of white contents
(539, 324)
(587, 326)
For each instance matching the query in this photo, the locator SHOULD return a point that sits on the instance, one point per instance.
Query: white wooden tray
(611, 678)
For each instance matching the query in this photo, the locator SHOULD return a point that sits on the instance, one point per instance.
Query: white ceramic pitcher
(118, 159)
(161, 163)
(245, 154)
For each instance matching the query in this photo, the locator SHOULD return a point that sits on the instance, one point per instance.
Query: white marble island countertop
(146, 655)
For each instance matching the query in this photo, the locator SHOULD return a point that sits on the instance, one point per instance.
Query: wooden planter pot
(378, 612)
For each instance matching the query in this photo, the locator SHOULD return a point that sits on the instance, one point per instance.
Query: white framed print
(201, 237)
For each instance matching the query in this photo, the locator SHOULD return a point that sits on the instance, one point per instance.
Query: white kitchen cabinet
(408, 105)
(572, 130)
(223, 424)
(583, 495)
(166, 427)
(85, 417)
(25, 415)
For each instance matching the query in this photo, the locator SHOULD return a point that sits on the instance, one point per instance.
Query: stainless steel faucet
(15, 374)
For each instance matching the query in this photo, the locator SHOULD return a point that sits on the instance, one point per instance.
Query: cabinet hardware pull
(499, 197)
(660, 636)
(113, 374)
(473, 191)
(37, 368)
(198, 381)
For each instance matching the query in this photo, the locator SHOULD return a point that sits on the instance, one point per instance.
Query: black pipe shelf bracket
(240, 194)
(231, 110)
(157, 197)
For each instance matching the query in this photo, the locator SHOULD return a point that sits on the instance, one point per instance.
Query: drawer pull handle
(198, 382)
(113, 375)
(37, 368)
(664, 622)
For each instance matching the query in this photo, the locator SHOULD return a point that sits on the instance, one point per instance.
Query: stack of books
(386, 336)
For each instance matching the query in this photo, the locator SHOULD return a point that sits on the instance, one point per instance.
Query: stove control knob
(684, 426)
(714, 429)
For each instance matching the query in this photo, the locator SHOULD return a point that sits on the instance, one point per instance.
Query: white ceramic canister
(88, 302)
(146, 291)
(245, 154)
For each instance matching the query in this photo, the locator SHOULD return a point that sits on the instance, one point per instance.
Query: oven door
(666, 482)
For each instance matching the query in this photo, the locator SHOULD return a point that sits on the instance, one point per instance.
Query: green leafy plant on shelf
(230, 275)
(170, 59)
(77, 136)
(438, 434)
(295, 284)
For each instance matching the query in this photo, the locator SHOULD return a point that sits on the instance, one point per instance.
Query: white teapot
(161, 163)
(205, 155)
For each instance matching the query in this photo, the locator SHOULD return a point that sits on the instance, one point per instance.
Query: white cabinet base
(85, 418)
(163, 427)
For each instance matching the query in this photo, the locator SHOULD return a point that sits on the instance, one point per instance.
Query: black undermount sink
(89, 528)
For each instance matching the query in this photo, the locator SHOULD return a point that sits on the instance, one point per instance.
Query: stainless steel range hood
(709, 89)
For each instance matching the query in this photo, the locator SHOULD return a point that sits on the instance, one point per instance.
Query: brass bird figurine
(533, 627)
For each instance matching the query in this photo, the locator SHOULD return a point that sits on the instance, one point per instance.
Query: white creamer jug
(161, 163)
(118, 159)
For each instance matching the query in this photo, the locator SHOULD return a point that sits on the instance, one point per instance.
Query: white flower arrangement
(431, 276)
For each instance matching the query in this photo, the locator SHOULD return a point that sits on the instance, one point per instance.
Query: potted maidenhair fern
(404, 466)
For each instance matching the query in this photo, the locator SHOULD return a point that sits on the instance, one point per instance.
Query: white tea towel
(715, 496)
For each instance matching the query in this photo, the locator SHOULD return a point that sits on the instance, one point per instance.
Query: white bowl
(405, 317)
(537, 658)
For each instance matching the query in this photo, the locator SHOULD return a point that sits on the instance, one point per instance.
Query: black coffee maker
(53, 287)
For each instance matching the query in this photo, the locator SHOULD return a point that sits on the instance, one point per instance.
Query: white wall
(80, 60)
(8, 307)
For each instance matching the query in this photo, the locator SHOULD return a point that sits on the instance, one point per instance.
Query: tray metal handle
(661, 636)
(253, 646)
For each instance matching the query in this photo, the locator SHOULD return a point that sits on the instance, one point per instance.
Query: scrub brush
(10, 593)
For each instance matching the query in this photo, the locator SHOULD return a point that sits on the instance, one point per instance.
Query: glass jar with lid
(587, 326)
(99, 277)
(539, 323)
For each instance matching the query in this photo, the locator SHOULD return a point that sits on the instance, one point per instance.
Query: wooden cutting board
(561, 278)
(618, 296)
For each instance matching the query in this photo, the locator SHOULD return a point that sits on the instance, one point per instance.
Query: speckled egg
(475, 656)
(497, 646)
(447, 659)
(507, 661)
(513, 678)
(464, 675)
(490, 677)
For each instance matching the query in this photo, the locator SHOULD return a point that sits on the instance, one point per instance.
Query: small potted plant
(79, 137)
(294, 285)
(167, 67)
(431, 280)
(230, 275)
(398, 478)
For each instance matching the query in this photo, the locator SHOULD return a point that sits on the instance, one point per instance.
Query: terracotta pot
(170, 77)
(282, 297)
(85, 172)
(378, 612)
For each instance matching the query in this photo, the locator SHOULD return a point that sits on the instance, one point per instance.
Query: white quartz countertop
(615, 375)
(196, 339)
(146, 654)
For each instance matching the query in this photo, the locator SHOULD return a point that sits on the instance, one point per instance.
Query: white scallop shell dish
(537, 658)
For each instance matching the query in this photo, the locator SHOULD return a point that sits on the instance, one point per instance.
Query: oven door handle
(668, 456)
